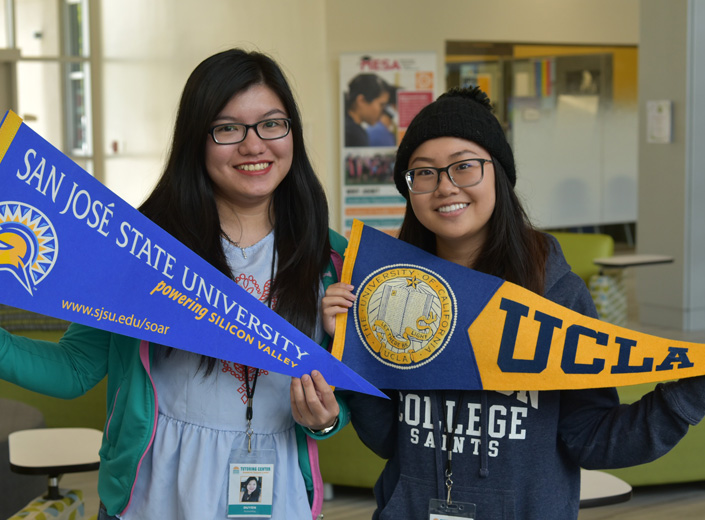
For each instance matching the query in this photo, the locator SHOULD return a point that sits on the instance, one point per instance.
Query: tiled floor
(684, 502)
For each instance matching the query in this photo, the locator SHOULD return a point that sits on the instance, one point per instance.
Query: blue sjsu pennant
(72, 249)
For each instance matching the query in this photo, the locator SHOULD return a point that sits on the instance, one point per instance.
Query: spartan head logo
(28, 245)
(405, 315)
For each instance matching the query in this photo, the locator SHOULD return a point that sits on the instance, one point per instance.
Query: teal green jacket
(84, 356)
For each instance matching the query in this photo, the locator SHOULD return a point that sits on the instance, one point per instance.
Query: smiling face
(457, 216)
(246, 174)
(251, 486)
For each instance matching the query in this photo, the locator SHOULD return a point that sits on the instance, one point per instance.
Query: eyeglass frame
(438, 171)
(211, 132)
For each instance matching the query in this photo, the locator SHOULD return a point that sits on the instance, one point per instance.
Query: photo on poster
(368, 166)
(369, 111)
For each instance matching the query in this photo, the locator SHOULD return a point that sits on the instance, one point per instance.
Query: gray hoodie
(517, 455)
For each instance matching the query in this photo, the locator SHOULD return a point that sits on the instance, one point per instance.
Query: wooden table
(53, 452)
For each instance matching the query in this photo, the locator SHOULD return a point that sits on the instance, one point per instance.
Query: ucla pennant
(432, 324)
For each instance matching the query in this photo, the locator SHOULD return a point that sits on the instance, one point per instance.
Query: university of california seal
(405, 315)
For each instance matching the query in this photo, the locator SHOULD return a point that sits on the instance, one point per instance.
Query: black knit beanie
(460, 112)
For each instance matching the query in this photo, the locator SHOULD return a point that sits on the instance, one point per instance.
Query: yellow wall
(624, 62)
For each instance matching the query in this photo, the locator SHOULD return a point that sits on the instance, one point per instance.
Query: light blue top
(201, 426)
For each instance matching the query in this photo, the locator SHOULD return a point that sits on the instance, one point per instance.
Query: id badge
(441, 510)
(250, 484)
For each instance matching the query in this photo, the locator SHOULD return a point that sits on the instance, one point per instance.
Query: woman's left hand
(313, 403)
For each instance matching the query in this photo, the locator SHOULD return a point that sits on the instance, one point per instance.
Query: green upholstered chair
(580, 249)
(345, 461)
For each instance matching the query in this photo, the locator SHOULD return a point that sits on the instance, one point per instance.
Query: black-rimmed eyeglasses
(267, 129)
(462, 174)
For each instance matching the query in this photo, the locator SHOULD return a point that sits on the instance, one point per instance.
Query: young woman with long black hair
(239, 190)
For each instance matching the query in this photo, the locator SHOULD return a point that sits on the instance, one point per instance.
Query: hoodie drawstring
(437, 418)
(484, 449)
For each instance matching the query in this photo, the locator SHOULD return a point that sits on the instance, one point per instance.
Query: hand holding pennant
(420, 322)
(72, 249)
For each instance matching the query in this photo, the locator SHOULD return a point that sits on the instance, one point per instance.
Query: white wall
(577, 161)
(672, 175)
(151, 47)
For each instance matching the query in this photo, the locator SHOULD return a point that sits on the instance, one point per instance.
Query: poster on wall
(380, 95)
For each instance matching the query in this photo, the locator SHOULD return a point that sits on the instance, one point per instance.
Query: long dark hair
(183, 201)
(514, 249)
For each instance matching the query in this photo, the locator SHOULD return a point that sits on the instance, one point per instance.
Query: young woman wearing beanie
(514, 454)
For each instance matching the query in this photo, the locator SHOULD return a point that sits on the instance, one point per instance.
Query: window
(77, 78)
(54, 72)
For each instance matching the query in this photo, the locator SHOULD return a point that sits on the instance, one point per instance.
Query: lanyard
(248, 412)
(251, 393)
(450, 436)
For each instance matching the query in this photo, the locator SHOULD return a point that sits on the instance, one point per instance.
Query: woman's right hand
(338, 299)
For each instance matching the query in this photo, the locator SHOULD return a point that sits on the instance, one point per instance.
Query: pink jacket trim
(144, 356)
(317, 503)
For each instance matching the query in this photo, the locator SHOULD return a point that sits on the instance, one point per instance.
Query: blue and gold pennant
(72, 249)
(420, 322)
